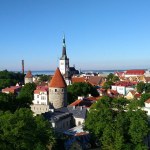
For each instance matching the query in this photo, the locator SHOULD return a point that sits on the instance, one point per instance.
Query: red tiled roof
(75, 103)
(11, 89)
(147, 101)
(93, 98)
(29, 74)
(57, 80)
(94, 80)
(78, 79)
(124, 83)
(135, 72)
(40, 89)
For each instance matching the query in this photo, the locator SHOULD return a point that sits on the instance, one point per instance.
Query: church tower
(57, 90)
(64, 61)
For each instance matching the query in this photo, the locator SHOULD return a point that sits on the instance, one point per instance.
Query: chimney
(22, 66)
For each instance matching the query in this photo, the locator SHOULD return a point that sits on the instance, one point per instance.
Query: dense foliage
(117, 125)
(27, 92)
(10, 78)
(44, 78)
(143, 87)
(80, 89)
(110, 80)
(21, 131)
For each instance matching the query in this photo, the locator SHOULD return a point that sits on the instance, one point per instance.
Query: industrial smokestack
(22, 66)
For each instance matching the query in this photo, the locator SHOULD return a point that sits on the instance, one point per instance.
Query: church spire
(64, 54)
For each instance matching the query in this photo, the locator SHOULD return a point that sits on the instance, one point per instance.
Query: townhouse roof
(85, 102)
(40, 89)
(29, 74)
(11, 89)
(78, 79)
(57, 80)
(95, 80)
(125, 83)
(147, 79)
(135, 72)
(78, 111)
(147, 101)
(57, 115)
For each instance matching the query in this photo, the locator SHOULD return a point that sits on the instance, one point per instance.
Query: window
(55, 90)
(79, 123)
(37, 96)
(37, 102)
(62, 90)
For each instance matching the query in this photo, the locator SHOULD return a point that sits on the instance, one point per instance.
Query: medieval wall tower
(57, 90)
(28, 78)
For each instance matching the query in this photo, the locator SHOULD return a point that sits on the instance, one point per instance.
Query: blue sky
(100, 34)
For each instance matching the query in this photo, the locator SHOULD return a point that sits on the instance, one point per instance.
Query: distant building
(28, 78)
(41, 95)
(123, 87)
(132, 73)
(12, 89)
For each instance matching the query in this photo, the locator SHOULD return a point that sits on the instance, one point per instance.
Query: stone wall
(58, 97)
(28, 80)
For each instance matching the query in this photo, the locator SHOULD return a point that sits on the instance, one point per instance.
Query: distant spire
(64, 39)
(64, 48)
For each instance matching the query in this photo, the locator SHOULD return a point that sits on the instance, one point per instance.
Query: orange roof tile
(78, 79)
(57, 80)
(29, 74)
(75, 103)
(147, 101)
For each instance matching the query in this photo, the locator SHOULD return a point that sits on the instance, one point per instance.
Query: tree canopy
(117, 125)
(80, 89)
(22, 131)
(8, 78)
(143, 87)
(110, 80)
(27, 92)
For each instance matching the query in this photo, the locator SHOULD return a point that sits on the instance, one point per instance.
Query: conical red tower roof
(29, 74)
(57, 80)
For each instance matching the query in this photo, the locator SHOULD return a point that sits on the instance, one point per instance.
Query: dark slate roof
(78, 111)
(56, 115)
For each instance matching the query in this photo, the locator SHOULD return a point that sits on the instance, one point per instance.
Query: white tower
(64, 61)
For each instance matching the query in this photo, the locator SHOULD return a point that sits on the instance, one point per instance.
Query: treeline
(8, 78)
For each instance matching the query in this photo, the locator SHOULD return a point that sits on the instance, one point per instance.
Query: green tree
(22, 131)
(80, 89)
(115, 78)
(143, 98)
(117, 125)
(140, 87)
(147, 88)
(44, 78)
(110, 77)
(27, 92)
(107, 85)
(10, 78)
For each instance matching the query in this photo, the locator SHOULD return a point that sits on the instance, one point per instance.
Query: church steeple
(64, 60)
(64, 54)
